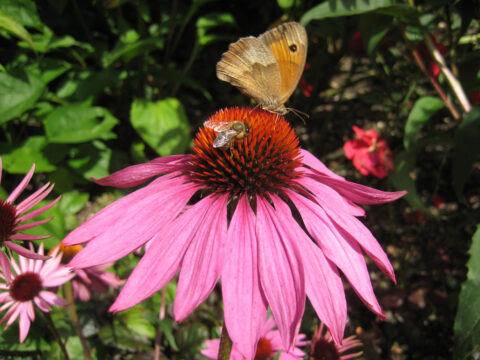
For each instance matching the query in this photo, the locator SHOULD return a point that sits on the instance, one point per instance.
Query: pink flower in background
(324, 348)
(268, 346)
(94, 279)
(229, 213)
(13, 217)
(370, 153)
(28, 285)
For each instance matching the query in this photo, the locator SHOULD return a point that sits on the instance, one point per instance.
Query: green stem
(452, 80)
(225, 345)
(430, 77)
(55, 332)
(68, 292)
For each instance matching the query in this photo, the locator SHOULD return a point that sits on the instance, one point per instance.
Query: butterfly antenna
(300, 114)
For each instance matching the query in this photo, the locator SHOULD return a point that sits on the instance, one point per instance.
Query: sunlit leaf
(14, 27)
(77, 123)
(467, 320)
(162, 124)
(18, 93)
(20, 159)
(423, 109)
(331, 8)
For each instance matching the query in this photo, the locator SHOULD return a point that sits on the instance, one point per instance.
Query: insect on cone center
(262, 159)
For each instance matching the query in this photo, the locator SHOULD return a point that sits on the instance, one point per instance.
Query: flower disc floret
(266, 160)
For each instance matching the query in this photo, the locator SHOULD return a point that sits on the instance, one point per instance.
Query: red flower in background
(306, 87)
(433, 67)
(475, 97)
(356, 45)
(370, 153)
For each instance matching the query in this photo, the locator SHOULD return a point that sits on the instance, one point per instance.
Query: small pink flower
(13, 217)
(95, 278)
(269, 344)
(28, 285)
(323, 346)
(370, 153)
(232, 214)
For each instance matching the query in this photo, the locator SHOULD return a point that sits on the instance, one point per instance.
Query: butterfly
(267, 68)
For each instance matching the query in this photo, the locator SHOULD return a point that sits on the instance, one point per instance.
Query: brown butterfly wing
(250, 66)
(288, 43)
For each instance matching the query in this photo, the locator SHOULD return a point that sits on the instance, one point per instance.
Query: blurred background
(90, 87)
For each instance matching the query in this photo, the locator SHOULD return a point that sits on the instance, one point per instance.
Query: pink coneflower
(370, 153)
(323, 346)
(268, 346)
(94, 279)
(28, 285)
(265, 216)
(13, 217)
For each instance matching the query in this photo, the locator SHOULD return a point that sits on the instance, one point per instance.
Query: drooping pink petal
(24, 323)
(42, 304)
(244, 307)
(35, 198)
(161, 261)
(39, 211)
(52, 299)
(31, 224)
(136, 174)
(364, 238)
(24, 237)
(20, 187)
(24, 252)
(5, 264)
(311, 161)
(341, 250)
(359, 193)
(203, 260)
(331, 196)
(130, 222)
(281, 270)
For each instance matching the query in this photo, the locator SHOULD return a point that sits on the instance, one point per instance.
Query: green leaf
(128, 51)
(72, 202)
(18, 93)
(88, 85)
(190, 338)
(423, 109)
(331, 8)
(373, 28)
(77, 123)
(401, 179)
(14, 27)
(467, 320)
(206, 23)
(285, 4)
(162, 124)
(92, 160)
(20, 159)
(48, 69)
(467, 149)
(166, 326)
(23, 11)
(135, 320)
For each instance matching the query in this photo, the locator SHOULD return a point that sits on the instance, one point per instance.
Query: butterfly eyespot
(293, 48)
